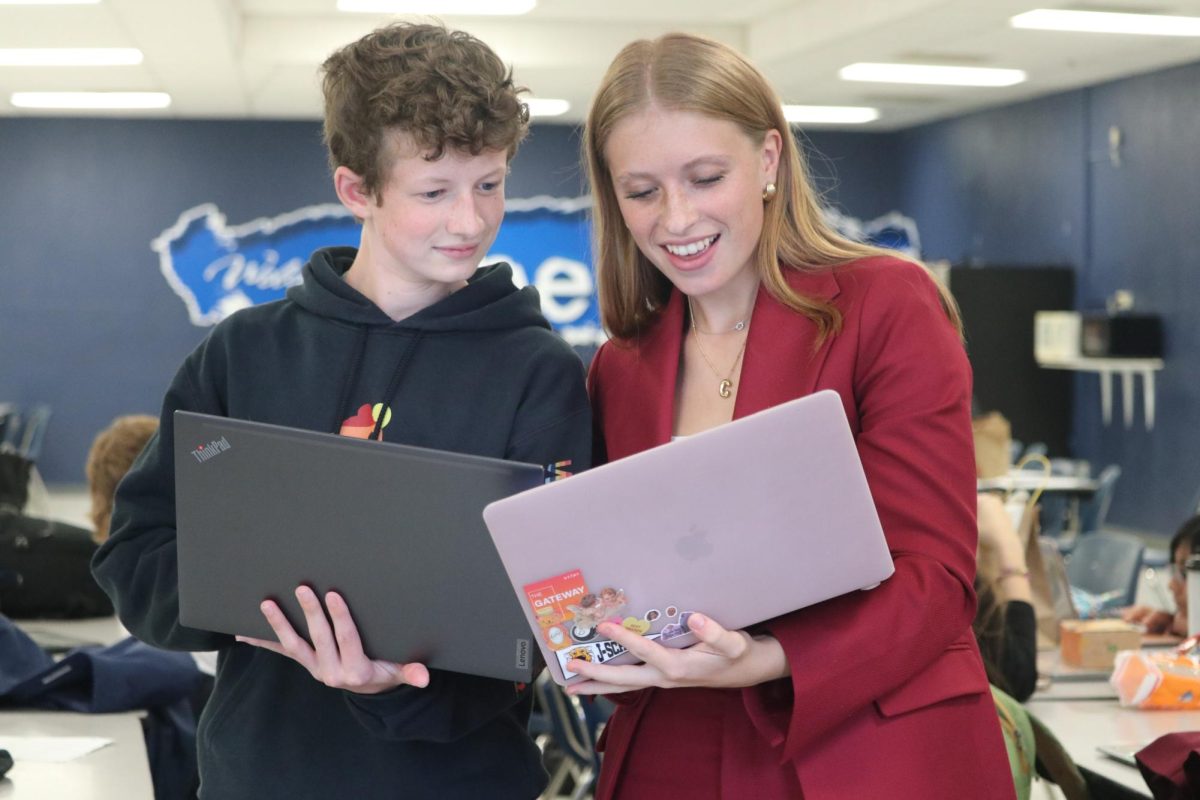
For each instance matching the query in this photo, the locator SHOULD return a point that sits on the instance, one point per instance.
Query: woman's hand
(721, 659)
(336, 656)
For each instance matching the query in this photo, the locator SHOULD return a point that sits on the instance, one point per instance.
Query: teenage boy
(402, 339)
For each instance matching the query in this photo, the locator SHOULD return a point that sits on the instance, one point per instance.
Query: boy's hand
(335, 657)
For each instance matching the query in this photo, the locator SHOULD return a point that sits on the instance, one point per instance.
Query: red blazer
(888, 696)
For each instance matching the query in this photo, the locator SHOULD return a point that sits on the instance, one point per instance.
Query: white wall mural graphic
(216, 268)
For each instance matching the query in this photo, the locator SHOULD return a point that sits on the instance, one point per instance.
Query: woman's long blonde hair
(683, 72)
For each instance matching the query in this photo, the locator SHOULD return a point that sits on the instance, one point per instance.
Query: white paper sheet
(51, 748)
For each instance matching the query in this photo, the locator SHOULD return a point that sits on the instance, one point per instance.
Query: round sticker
(557, 638)
(582, 634)
(651, 615)
(672, 611)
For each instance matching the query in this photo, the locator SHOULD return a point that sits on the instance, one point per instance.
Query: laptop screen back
(396, 530)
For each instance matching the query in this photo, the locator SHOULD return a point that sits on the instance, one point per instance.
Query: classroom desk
(119, 771)
(1080, 706)
(1084, 725)
(116, 772)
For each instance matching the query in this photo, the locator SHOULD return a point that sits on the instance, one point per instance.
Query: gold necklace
(725, 387)
(737, 327)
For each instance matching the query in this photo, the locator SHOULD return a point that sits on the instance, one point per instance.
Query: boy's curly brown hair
(443, 88)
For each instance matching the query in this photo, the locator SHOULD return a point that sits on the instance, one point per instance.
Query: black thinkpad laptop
(397, 530)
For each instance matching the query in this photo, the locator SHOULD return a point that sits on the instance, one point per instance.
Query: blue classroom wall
(1033, 184)
(1000, 187)
(1145, 237)
(857, 173)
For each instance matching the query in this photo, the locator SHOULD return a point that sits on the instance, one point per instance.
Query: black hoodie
(478, 372)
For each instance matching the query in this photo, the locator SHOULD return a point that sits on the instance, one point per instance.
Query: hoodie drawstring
(395, 382)
(350, 381)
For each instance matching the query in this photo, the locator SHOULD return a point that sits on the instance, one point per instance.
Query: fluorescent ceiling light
(110, 100)
(450, 8)
(546, 106)
(69, 56)
(931, 74)
(1053, 19)
(845, 115)
(48, 2)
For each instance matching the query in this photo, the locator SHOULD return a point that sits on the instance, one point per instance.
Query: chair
(10, 440)
(1036, 449)
(1055, 519)
(8, 412)
(1035, 753)
(1070, 467)
(1094, 510)
(1108, 564)
(34, 432)
(571, 742)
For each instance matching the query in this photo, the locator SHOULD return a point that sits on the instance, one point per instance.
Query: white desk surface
(65, 634)
(119, 771)
(1031, 481)
(1084, 725)
(1058, 681)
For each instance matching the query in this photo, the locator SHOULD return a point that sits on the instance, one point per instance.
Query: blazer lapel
(782, 361)
(647, 400)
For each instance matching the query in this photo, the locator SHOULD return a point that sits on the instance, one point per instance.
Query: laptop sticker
(593, 609)
(568, 615)
(554, 631)
(551, 599)
(674, 630)
(592, 652)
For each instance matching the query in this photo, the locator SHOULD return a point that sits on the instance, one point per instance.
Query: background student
(725, 293)
(112, 453)
(402, 339)
(1184, 543)
(1005, 622)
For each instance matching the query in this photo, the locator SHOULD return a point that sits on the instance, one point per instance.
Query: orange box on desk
(1094, 643)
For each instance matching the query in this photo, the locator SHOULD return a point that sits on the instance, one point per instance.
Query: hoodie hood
(489, 301)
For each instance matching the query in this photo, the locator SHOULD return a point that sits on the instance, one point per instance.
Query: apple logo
(694, 544)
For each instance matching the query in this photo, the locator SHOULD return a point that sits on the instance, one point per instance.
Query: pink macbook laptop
(745, 522)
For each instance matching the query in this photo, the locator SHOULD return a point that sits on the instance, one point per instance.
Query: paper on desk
(51, 748)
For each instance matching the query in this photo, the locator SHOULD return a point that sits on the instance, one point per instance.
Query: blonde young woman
(725, 294)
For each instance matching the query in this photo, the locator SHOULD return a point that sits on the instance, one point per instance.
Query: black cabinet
(998, 304)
